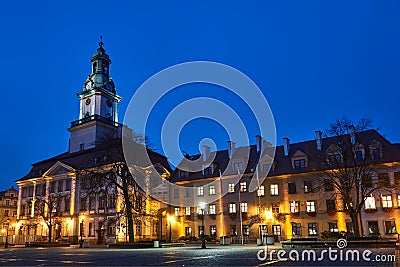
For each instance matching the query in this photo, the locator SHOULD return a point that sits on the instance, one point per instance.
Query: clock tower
(98, 114)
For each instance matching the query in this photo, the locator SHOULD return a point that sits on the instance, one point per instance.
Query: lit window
(176, 211)
(333, 228)
(246, 230)
(243, 187)
(296, 229)
(213, 230)
(212, 189)
(294, 207)
(231, 188)
(243, 206)
(299, 163)
(187, 211)
(200, 191)
(232, 208)
(370, 203)
(307, 186)
(312, 229)
(261, 191)
(211, 209)
(373, 228)
(387, 201)
(310, 206)
(275, 207)
(274, 190)
(390, 227)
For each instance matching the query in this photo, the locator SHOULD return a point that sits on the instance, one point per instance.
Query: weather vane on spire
(101, 41)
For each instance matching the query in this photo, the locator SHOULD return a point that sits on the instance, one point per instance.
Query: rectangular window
(328, 185)
(291, 188)
(349, 227)
(232, 207)
(111, 229)
(60, 186)
(14, 213)
(397, 178)
(333, 228)
(186, 192)
(176, 211)
(187, 211)
(312, 229)
(243, 206)
(296, 229)
(102, 202)
(111, 201)
(7, 202)
(213, 230)
(238, 166)
(15, 203)
(310, 206)
(201, 230)
(81, 147)
(67, 202)
(91, 229)
(200, 190)
(83, 204)
(212, 189)
(370, 203)
(232, 230)
(92, 203)
(376, 154)
(334, 159)
(274, 191)
(261, 191)
(359, 155)
(373, 228)
(231, 188)
(276, 229)
(68, 185)
(299, 163)
(387, 201)
(183, 174)
(275, 207)
(390, 227)
(176, 193)
(330, 205)
(243, 187)
(295, 206)
(212, 209)
(208, 171)
(188, 231)
(139, 228)
(6, 213)
(383, 179)
(308, 187)
(246, 230)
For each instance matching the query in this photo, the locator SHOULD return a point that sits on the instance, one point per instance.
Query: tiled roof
(85, 159)
(391, 153)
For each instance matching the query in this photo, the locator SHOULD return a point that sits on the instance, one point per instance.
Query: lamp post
(170, 220)
(81, 231)
(8, 226)
(203, 240)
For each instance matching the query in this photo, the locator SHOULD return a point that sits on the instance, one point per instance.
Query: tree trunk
(129, 216)
(354, 220)
(50, 227)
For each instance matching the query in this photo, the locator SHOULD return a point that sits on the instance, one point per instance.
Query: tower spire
(101, 44)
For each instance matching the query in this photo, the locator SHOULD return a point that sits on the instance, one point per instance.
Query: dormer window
(376, 154)
(375, 149)
(183, 174)
(370, 203)
(299, 163)
(238, 166)
(334, 159)
(208, 170)
(359, 155)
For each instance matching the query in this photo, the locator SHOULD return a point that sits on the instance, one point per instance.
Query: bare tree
(47, 209)
(348, 169)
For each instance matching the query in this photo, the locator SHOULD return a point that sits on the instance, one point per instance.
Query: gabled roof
(391, 153)
(86, 159)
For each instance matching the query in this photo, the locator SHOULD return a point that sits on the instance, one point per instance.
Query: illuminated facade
(52, 194)
(292, 201)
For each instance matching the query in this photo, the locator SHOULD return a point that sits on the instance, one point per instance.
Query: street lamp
(203, 240)
(170, 220)
(8, 226)
(81, 231)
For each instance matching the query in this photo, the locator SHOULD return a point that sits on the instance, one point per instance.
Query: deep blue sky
(314, 61)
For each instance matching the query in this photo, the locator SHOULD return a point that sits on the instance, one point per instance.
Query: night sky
(314, 61)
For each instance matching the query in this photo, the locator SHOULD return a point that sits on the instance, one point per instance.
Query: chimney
(352, 134)
(206, 152)
(286, 146)
(231, 149)
(259, 143)
(318, 139)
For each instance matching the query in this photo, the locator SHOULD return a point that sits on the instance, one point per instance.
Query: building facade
(54, 202)
(294, 199)
(8, 213)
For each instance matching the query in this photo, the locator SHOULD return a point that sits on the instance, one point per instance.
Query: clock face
(88, 101)
(109, 103)
(88, 85)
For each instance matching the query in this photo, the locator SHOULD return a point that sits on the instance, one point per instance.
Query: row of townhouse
(294, 197)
